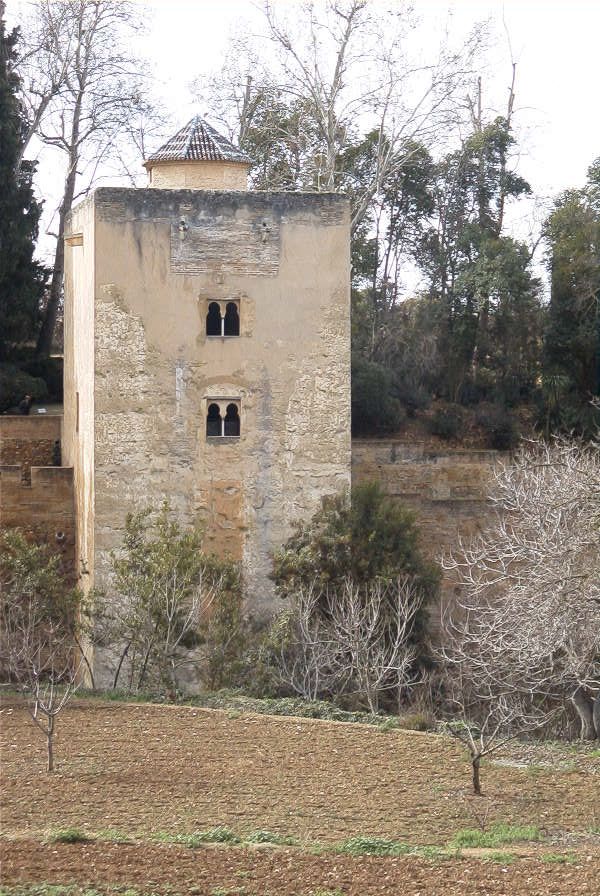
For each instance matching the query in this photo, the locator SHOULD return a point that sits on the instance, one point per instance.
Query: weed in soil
(200, 838)
(69, 835)
(497, 835)
(270, 837)
(372, 846)
(503, 858)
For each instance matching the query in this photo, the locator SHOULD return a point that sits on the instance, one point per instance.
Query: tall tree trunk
(476, 763)
(44, 343)
(50, 738)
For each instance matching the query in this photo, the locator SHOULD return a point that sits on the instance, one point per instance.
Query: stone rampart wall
(446, 489)
(30, 442)
(35, 496)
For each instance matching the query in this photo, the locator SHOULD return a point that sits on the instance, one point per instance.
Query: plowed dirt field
(153, 772)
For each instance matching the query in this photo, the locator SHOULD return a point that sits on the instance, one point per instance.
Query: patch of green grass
(38, 890)
(498, 835)
(322, 892)
(235, 703)
(503, 858)
(199, 838)
(270, 837)
(372, 846)
(594, 754)
(112, 836)
(58, 890)
(435, 853)
(381, 846)
(228, 891)
(559, 858)
(68, 835)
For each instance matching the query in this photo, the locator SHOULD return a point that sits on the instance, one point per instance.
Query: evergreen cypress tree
(21, 278)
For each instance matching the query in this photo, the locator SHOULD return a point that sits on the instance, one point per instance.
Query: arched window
(213, 421)
(223, 318)
(213, 320)
(223, 418)
(232, 421)
(232, 320)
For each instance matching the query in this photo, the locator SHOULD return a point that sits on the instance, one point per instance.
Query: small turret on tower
(198, 158)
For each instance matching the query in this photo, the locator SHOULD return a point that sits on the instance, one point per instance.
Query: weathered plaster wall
(78, 425)
(285, 258)
(199, 176)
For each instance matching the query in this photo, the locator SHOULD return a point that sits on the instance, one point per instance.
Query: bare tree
(48, 676)
(82, 86)
(526, 625)
(347, 63)
(354, 640)
(39, 624)
(308, 657)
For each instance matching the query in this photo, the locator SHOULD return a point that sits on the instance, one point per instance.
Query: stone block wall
(35, 496)
(446, 489)
(30, 442)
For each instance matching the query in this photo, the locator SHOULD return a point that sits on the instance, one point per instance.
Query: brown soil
(144, 769)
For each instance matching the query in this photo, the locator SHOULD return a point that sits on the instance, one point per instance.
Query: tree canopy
(21, 278)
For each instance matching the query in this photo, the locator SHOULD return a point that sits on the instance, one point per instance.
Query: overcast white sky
(554, 43)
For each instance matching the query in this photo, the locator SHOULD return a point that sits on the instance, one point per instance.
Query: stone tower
(207, 356)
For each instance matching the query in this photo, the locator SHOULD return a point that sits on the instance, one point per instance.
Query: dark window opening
(232, 320)
(213, 320)
(232, 421)
(213, 420)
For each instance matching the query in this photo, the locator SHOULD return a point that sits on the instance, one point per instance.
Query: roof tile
(198, 142)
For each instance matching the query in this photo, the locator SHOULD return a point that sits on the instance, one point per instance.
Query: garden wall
(36, 496)
(445, 488)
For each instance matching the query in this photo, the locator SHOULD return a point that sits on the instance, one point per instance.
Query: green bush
(16, 383)
(69, 835)
(446, 423)
(374, 408)
(365, 535)
(51, 371)
(499, 426)
(413, 398)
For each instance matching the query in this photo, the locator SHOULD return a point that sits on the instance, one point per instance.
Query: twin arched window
(219, 425)
(223, 319)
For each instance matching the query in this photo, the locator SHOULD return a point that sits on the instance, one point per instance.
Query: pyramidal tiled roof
(198, 142)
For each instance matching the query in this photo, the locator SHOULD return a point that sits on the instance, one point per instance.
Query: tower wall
(160, 259)
(199, 175)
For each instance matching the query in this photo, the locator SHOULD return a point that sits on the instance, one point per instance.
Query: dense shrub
(51, 371)
(413, 398)
(365, 535)
(500, 427)
(374, 409)
(15, 384)
(446, 423)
